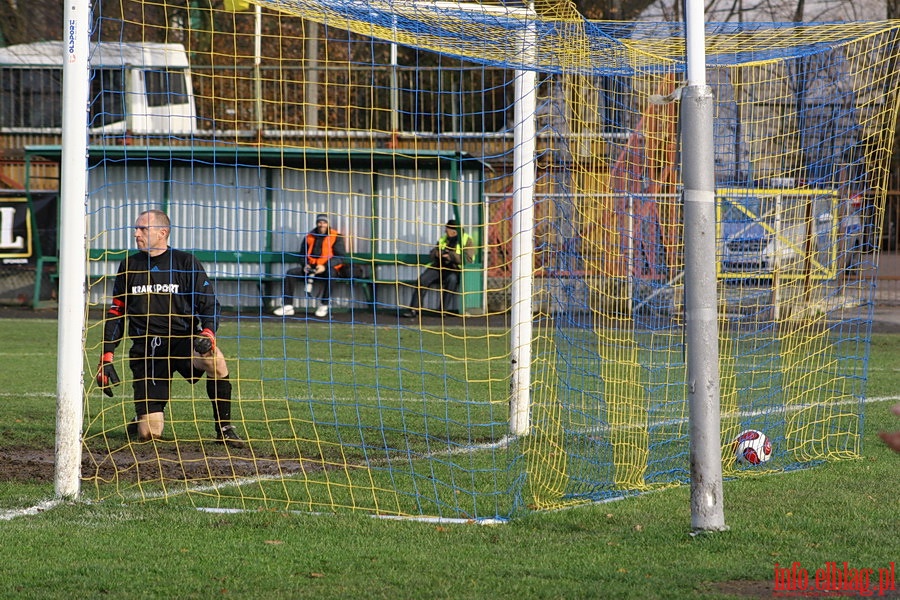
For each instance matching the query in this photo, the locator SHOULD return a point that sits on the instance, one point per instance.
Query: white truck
(136, 87)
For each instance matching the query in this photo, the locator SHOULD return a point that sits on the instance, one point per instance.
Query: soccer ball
(752, 447)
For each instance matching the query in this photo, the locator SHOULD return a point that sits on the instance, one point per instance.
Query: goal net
(393, 118)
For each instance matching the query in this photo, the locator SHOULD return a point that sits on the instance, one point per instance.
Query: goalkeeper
(172, 313)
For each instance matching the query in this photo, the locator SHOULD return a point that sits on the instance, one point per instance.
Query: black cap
(321, 218)
(453, 223)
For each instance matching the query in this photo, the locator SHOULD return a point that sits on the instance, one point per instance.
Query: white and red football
(752, 447)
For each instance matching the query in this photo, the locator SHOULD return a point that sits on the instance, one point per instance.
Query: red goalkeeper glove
(205, 342)
(106, 374)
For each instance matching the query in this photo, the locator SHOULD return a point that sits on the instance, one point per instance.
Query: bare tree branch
(24, 21)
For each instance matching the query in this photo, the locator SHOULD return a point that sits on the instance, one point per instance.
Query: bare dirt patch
(741, 588)
(153, 461)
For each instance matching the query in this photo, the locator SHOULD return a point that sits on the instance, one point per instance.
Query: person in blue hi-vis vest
(445, 268)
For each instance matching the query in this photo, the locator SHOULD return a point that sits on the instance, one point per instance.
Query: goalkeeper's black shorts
(155, 362)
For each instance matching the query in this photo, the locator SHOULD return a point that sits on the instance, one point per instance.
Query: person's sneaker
(408, 314)
(229, 436)
(322, 311)
(284, 311)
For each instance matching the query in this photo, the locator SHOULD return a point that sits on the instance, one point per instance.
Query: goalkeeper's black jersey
(165, 295)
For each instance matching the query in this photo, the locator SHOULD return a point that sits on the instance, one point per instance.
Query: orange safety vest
(327, 247)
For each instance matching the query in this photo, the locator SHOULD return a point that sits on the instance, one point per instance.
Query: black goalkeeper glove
(205, 342)
(106, 374)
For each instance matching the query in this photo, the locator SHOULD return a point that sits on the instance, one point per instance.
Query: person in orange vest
(321, 252)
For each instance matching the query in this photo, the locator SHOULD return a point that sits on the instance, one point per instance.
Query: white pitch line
(8, 515)
(370, 401)
(776, 409)
(503, 442)
(435, 520)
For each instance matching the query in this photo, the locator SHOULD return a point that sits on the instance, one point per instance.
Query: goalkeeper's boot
(131, 428)
(228, 435)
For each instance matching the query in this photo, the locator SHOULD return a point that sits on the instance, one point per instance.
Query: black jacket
(166, 295)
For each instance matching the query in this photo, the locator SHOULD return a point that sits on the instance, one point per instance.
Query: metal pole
(700, 290)
(395, 89)
(257, 63)
(311, 91)
(72, 253)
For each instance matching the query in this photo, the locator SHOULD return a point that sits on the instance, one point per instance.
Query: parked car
(791, 232)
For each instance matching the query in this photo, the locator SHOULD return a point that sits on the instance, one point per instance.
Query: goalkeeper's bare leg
(218, 388)
(150, 426)
(151, 395)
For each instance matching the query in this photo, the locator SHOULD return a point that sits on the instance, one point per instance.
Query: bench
(382, 271)
(379, 264)
(41, 263)
(386, 268)
(265, 270)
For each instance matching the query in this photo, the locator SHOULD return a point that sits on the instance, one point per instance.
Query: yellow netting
(393, 118)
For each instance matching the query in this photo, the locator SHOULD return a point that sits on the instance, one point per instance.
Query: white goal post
(72, 250)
